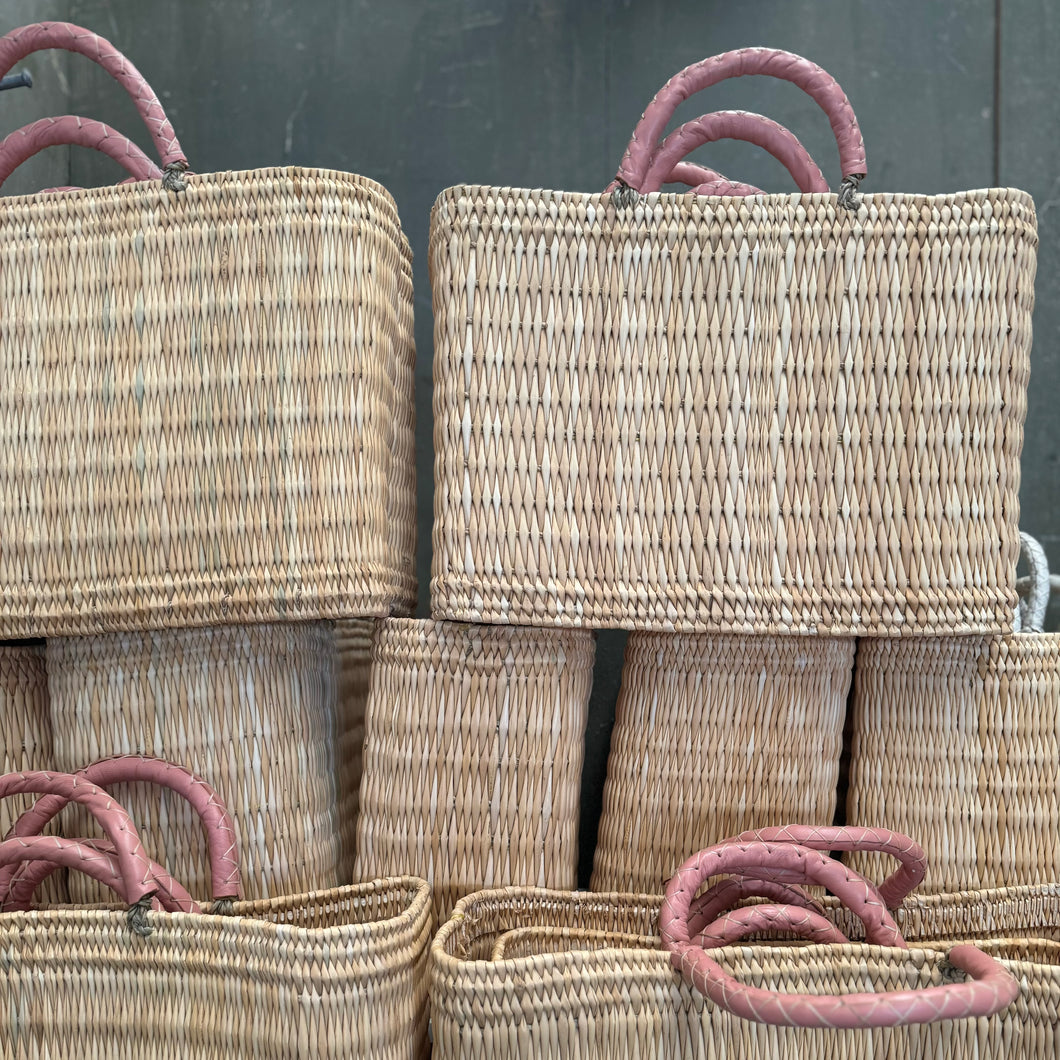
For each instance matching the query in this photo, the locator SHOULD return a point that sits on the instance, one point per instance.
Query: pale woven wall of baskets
(773, 436)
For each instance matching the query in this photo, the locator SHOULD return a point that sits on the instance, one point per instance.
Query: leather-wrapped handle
(133, 863)
(783, 862)
(225, 882)
(704, 181)
(808, 76)
(989, 987)
(41, 36)
(756, 129)
(71, 130)
(725, 894)
(769, 918)
(1037, 587)
(43, 855)
(909, 854)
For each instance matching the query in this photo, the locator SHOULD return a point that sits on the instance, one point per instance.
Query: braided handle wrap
(40, 36)
(34, 858)
(220, 830)
(704, 181)
(24, 143)
(133, 863)
(756, 129)
(725, 894)
(783, 862)
(755, 919)
(909, 853)
(988, 989)
(1033, 606)
(808, 76)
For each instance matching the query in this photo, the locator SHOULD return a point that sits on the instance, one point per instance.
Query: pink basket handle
(783, 862)
(43, 855)
(24, 143)
(725, 894)
(989, 989)
(123, 769)
(134, 864)
(756, 129)
(758, 919)
(910, 854)
(40, 36)
(704, 181)
(808, 76)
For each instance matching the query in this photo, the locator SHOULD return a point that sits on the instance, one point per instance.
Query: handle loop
(24, 143)
(123, 769)
(988, 989)
(1035, 603)
(736, 924)
(910, 854)
(134, 865)
(725, 894)
(785, 862)
(41, 36)
(756, 129)
(817, 83)
(31, 859)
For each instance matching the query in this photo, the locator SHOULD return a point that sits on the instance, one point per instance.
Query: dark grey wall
(421, 94)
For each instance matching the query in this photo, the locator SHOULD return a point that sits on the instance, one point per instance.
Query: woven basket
(26, 736)
(473, 755)
(207, 411)
(251, 709)
(715, 735)
(556, 992)
(353, 657)
(336, 974)
(718, 414)
(957, 741)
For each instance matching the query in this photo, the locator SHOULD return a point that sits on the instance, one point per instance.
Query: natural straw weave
(956, 741)
(713, 735)
(26, 737)
(353, 659)
(337, 974)
(473, 751)
(730, 415)
(251, 709)
(559, 996)
(207, 405)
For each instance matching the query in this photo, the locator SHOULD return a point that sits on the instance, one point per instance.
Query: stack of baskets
(775, 437)
(206, 427)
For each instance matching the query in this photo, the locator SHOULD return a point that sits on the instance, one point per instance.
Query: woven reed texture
(956, 741)
(715, 734)
(568, 998)
(730, 415)
(207, 410)
(251, 709)
(474, 740)
(335, 974)
(26, 738)
(353, 658)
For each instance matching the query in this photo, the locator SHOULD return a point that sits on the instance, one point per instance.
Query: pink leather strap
(782, 862)
(123, 769)
(817, 83)
(756, 129)
(910, 854)
(725, 894)
(704, 181)
(989, 989)
(40, 36)
(133, 863)
(758, 919)
(24, 143)
(43, 855)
